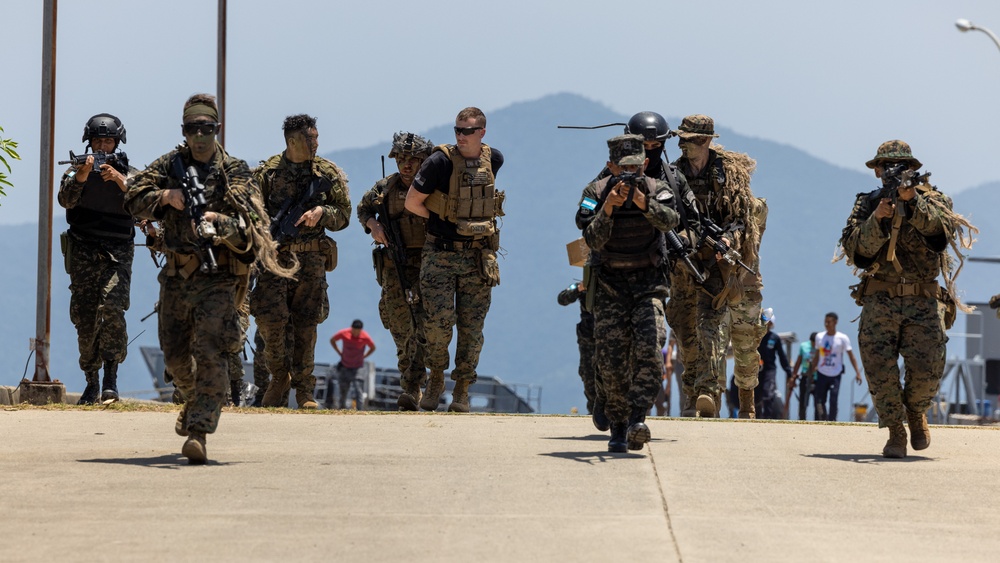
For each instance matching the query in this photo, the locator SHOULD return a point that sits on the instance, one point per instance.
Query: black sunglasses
(200, 128)
(466, 130)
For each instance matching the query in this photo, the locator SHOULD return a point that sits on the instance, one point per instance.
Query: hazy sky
(834, 79)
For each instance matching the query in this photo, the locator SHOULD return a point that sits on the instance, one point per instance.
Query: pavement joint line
(666, 508)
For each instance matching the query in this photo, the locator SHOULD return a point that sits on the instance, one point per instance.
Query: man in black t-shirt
(455, 191)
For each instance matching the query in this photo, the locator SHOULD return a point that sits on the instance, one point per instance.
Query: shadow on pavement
(591, 457)
(867, 458)
(170, 461)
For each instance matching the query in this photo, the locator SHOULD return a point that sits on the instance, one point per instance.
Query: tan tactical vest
(472, 202)
(413, 228)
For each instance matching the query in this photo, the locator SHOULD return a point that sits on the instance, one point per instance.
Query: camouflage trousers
(199, 331)
(261, 376)
(236, 372)
(628, 316)
(100, 274)
(700, 333)
(585, 341)
(404, 321)
(912, 327)
(297, 306)
(745, 330)
(455, 296)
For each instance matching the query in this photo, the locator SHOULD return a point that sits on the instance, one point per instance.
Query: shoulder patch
(588, 204)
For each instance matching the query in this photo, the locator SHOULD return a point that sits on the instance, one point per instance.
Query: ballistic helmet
(104, 125)
(650, 125)
(409, 144)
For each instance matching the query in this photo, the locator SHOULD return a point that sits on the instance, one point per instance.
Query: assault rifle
(711, 234)
(283, 226)
(117, 160)
(195, 206)
(676, 249)
(396, 246)
(894, 177)
(631, 179)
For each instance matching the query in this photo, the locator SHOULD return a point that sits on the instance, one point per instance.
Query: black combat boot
(598, 417)
(93, 390)
(638, 433)
(110, 385)
(618, 443)
(236, 391)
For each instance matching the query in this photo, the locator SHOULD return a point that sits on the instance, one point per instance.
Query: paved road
(84, 485)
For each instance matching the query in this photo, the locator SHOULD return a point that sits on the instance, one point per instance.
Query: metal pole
(220, 70)
(43, 299)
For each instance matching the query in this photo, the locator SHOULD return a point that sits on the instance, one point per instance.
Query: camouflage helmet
(104, 125)
(894, 150)
(404, 143)
(626, 150)
(650, 125)
(696, 126)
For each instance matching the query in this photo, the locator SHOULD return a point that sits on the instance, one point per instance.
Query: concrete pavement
(93, 484)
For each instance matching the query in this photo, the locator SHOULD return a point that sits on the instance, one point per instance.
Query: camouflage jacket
(727, 205)
(923, 236)
(228, 188)
(280, 180)
(597, 225)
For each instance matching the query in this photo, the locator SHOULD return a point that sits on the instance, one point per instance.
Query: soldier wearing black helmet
(383, 215)
(98, 254)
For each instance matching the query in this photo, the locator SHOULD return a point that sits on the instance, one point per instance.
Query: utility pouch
(66, 244)
(328, 247)
(378, 261)
(489, 268)
(480, 228)
(950, 308)
(858, 291)
(589, 282)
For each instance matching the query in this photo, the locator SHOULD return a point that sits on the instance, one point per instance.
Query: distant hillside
(530, 339)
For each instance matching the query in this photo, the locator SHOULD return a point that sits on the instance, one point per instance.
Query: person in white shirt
(828, 362)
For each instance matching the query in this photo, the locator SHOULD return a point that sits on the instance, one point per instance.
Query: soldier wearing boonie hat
(382, 211)
(627, 289)
(727, 306)
(901, 243)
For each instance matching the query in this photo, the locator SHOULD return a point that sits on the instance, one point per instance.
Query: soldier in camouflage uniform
(727, 305)
(285, 179)
(198, 320)
(627, 255)
(899, 237)
(98, 251)
(584, 340)
(455, 191)
(381, 212)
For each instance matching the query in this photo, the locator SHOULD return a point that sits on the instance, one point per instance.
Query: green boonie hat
(893, 150)
(404, 143)
(626, 150)
(696, 126)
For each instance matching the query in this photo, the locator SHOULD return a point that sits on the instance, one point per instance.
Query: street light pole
(964, 25)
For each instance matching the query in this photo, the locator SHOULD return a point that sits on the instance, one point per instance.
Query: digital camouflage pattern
(198, 324)
(894, 322)
(893, 150)
(100, 274)
(584, 341)
(696, 126)
(301, 302)
(454, 293)
(628, 310)
(404, 321)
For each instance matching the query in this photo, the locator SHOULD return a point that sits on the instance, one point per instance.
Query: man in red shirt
(352, 358)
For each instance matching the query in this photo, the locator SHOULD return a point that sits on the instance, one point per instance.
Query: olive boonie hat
(404, 143)
(696, 126)
(893, 150)
(626, 150)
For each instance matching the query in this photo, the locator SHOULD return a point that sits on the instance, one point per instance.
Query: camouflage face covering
(626, 150)
(410, 145)
(893, 150)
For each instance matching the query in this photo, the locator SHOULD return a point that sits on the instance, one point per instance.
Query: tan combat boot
(920, 434)
(275, 390)
(896, 446)
(409, 399)
(305, 400)
(705, 406)
(460, 397)
(747, 408)
(194, 449)
(432, 395)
